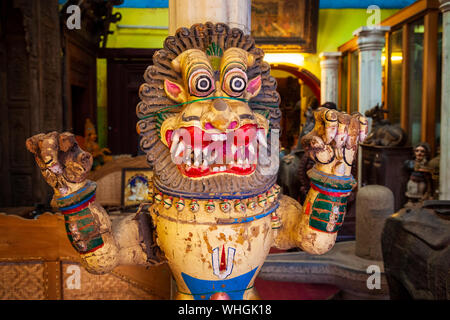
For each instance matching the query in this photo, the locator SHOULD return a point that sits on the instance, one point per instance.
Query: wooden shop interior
(86, 81)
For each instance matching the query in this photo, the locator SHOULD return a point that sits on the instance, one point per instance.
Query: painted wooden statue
(208, 121)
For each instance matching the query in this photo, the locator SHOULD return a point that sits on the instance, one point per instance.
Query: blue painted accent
(364, 4)
(234, 287)
(73, 194)
(344, 178)
(324, 4)
(138, 3)
(241, 195)
(145, 4)
(256, 217)
(78, 204)
(332, 190)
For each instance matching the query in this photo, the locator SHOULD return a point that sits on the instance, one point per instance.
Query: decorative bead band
(225, 204)
(226, 221)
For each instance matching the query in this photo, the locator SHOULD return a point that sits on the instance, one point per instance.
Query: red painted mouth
(200, 153)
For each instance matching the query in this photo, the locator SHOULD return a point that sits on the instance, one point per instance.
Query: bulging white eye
(237, 84)
(201, 83)
(234, 82)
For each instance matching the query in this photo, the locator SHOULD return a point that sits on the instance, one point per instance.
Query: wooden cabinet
(385, 166)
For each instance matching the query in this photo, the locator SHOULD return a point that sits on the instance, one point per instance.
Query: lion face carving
(207, 108)
(218, 135)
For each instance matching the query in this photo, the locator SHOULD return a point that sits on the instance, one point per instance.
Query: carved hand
(63, 164)
(333, 143)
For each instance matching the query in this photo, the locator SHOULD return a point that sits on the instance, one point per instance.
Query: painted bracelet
(326, 210)
(81, 226)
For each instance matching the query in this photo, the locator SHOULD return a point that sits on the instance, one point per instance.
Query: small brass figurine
(419, 187)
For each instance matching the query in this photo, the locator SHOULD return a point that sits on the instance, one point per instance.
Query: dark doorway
(79, 104)
(125, 69)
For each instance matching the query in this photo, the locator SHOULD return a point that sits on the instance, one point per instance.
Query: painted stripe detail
(79, 206)
(331, 192)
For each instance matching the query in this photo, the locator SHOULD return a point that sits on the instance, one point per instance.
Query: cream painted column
(184, 13)
(444, 170)
(329, 65)
(371, 41)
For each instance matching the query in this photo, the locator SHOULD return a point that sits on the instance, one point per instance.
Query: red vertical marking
(223, 263)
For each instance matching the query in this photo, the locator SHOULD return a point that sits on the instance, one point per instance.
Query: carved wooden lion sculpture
(209, 119)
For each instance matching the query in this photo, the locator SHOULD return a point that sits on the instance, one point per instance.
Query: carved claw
(333, 142)
(63, 164)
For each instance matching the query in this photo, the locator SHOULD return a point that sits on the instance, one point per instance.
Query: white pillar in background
(444, 170)
(329, 65)
(184, 13)
(371, 41)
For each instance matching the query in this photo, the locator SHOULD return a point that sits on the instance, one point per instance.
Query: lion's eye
(201, 83)
(234, 82)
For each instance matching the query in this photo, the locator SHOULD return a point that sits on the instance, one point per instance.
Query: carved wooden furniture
(416, 252)
(37, 262)
(30, 97)
(384, 166)
(46, 72)
(412, 71)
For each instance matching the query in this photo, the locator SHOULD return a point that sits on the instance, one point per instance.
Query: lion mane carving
(219, 42)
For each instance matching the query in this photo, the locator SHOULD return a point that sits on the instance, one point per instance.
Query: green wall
(336, 26)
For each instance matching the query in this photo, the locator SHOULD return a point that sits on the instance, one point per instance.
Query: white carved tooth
(233, 149)
(216, 169)
(223, 168)
(223, 137)
(197, 154)
(262, 138)
(176, 138)
(179, 149)
(215, 137)
(173, 147)
(188, 155)
(251, 149)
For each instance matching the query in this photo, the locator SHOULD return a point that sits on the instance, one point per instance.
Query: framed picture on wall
(286, 22)
(136, 184)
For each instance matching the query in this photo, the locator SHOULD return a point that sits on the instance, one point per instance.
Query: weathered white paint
(329, 64)
(184, 13)
(444, 173)
(371, 41)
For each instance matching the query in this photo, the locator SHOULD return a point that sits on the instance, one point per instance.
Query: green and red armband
(81, 225)
(327, 209)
